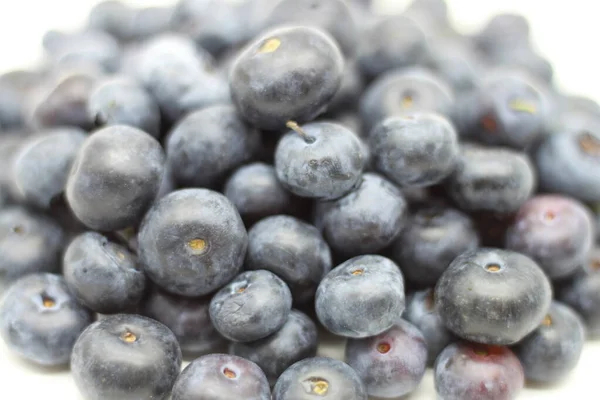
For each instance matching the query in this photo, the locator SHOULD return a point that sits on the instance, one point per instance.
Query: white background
(566, 32)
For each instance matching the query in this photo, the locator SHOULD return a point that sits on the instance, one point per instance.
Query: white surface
(565, 31)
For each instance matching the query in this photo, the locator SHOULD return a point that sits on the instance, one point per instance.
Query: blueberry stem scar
(296, 128)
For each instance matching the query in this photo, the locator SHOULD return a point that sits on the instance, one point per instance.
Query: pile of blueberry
(228, 182)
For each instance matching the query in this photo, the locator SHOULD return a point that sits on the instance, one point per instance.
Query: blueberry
(252, 306)
(415, 150)
(287, 74)
(126, 357)
(495, 179)
(222, 377)
(192, 242)
(433, 237)
(503, 32)
(421, 312)
(393, 42)
(295, 341)
(121, 101)
(206, 145)
(15, 88)
(115, 178)
(477, 372)
(402, 92)
(10, 145)
(553, 350)
(493, 296)
(362, 297)
(293, 250)
(42, 166)
(29, 243)
(351, 87)
(111, 16)
(456, 62)
(319, 160)
(319, 377)
(40, 320)
(102, 275)
(84, 48)
(332, 16)
(364, 221)
(257, 193)
(567, 163)
(555, 231)
(146, 22)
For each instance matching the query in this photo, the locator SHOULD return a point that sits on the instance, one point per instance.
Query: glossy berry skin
(392, 363)
(40, 320)
(29, 243)
(257, 193)
(221, 377)
(295, 341)
(415, 150)
(491, 179)
(493, 296)
(126, 357)
(433, 237)
(42, 166)
(122, 101)
(556, 231)
(102, 275)
(188, 319)
(192, 242)
(421, 312)
(567, 163)
(252, 306)
(291, 249)
(393, 42)
(332, 16)
(477, 372)
(404, 92)
(115, 178)
(326, 378)
(206, 145)
(553, 350)
(362, 297)
(322, 161)
(287, 74)
(364, 221)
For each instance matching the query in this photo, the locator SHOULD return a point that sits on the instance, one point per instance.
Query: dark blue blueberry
(189, 320)
(115, 178)
(391, 364)
(364, 221)
(393, 42)
(362, 297)
(252, 306)
(206, 145)
(414, 150)
(291, 249)
(553, 350)
(319, 160)
(42, 165)
(287, 74)
(466, 371)
(555, 231)
(29, 243)
(493, 296)
(319, 377)
(40, 320)
(192, 242)
(257, 193)
(421, 312)
(121, 101)
(404, 92)
(88, 48)
(222, 377)
(568, 161)
(495, 179)
(102, 275)
(333, 16)
(295, 341)
(433, 237)
(126, 357)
